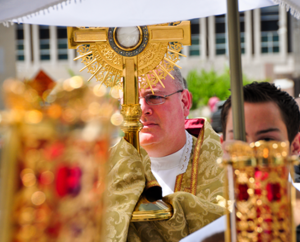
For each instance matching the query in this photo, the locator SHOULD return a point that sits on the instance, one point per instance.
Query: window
(62, 43)
(242, 32)
(194, 49)
(20, 42)
(221, 32)
(44, 34)
(269, 30)
(220, 35)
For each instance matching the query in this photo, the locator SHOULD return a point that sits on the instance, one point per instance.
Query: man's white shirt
(167, 168)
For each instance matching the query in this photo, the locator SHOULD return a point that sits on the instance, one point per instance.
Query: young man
(183, 166)
(270, 114)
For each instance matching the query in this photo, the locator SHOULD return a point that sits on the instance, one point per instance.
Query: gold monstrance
(131, 58)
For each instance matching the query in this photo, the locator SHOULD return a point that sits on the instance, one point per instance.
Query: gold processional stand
(132, 58)
(54, 153)
(257, 179)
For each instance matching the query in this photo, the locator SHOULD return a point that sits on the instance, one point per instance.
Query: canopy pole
(236, 79)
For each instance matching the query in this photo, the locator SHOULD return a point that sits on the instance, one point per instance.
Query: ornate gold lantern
(53, 163)
(258, 182)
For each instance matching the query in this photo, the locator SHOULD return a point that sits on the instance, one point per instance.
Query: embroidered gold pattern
(187, 190)
(195, 162)
(178, 183)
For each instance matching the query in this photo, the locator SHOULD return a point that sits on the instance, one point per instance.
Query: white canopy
(111, 13)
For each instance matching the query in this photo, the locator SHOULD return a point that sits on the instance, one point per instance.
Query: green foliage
(71, 72)
(206, 84)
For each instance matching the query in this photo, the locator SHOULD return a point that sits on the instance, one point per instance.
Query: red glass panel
(74, 180)
(273, 190)
(61, 181)
(243, 192)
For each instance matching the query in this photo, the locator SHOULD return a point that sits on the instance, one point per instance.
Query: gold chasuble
(194, 200)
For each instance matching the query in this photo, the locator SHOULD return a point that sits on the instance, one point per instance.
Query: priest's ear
(295, 146)
(186, 100)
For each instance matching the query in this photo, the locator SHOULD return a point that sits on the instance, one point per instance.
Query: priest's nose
(146, 108)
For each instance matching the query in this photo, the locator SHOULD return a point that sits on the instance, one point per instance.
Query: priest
(177, 154)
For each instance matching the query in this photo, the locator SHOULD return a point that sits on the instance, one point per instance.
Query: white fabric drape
(117, 12)
(292, 5)
(10, 9)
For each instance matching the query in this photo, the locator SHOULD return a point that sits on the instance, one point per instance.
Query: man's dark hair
(262, 92)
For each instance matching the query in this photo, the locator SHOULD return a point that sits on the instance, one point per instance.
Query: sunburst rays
(99, 63)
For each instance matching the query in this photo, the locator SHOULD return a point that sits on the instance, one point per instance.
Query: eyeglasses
(152, 99)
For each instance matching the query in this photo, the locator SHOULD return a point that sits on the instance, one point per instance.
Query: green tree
(206, 84)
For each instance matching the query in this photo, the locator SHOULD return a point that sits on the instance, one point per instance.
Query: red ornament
(243, 192)
(68, 181)
(273, 192)
(74, 181)
(61, 181)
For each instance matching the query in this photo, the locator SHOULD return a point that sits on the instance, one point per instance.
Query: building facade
(266, 46)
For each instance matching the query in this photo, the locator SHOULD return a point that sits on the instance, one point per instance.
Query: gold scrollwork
(104, 64)
(154, 63)
(131, 111)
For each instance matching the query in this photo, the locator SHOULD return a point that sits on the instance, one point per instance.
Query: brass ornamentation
(132, 125)
(259, 175)
(105, 64)
(142, 209)
(108, 64)
(103, 56)
(131, 111)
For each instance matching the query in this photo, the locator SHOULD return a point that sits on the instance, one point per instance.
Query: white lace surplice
(167, 168)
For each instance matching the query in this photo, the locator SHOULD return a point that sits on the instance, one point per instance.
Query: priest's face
(263, 121)
(163, 130)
